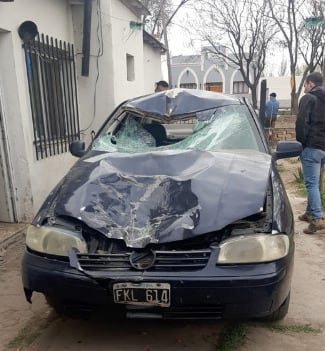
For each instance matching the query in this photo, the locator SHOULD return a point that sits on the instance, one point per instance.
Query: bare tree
(238, 32)
(313, 37)
(283, 67)
(162, 14)
(300, 40)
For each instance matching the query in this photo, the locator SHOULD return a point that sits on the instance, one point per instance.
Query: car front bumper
(234, 291)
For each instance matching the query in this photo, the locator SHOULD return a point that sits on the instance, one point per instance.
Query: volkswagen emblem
(142, 260)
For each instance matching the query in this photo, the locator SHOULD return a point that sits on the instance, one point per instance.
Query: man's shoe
(306, 218)
(314, 226)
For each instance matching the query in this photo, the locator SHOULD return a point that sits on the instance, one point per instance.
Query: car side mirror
(286, 149)
(77, 148)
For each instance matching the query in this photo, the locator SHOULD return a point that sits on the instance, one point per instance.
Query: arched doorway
(214, 80)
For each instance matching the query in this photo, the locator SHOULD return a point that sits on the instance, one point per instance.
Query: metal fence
(53, 94)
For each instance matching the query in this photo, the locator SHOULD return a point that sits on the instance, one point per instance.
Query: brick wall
(284, 129)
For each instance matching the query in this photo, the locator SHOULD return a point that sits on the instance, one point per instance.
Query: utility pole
(163, 20)
(169, 71)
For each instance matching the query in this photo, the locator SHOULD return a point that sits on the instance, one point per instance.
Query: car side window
(130, 137)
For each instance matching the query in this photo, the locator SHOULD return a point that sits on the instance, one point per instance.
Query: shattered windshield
(223, 128)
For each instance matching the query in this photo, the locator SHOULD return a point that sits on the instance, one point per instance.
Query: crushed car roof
(179, 102)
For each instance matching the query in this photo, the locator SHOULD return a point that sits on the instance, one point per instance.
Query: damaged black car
(175, 210)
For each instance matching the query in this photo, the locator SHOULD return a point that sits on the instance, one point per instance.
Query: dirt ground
(307, 305)
(25, 327)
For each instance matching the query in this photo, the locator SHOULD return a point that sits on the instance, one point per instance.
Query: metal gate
(52, 86)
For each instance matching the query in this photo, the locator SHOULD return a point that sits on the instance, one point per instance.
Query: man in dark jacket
(310, 131)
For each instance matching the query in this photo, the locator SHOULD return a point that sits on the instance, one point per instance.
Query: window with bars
(53, 94)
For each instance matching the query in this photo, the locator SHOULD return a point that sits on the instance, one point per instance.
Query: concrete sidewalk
(10, 232)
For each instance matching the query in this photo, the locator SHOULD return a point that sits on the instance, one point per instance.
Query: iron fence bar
(67, 113)
(70, 74)
(63, 116)
(70, 95)
(76, 109)
(56, 69)
(39, 93)
(36, 95)
(45, 111)
(37, 98)
(46, 92)
(49, 79)
(29, 77)
(52, 79)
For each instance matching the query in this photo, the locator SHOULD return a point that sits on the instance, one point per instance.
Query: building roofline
(136, 7)
(154, 42)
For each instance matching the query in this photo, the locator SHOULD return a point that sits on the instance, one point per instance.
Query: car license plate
(156, 294)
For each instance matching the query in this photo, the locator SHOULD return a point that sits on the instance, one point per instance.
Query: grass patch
(280, 168)
(233, 337)
(303, 328)
(30, 333)
(299, 176)
(25, 337)
(300, 182)
(293, 160)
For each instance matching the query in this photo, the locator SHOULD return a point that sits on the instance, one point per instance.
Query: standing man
(271, 111)
(161, 86)
(310, 131)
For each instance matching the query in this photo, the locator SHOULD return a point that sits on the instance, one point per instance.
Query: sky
(179, 42)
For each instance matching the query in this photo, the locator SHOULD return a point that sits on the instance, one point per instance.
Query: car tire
(280, 313)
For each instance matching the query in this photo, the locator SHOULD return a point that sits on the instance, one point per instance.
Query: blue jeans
(312, 160)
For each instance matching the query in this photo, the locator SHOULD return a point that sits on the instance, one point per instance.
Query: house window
(188, 85)
(216, 87)
(130, 67)
(53, 95)
(240, 88)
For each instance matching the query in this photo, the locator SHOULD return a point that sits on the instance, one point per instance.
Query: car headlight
(54, 241)
(253, 248)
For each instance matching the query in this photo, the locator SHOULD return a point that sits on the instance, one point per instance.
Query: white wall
(152, 68)
(96, 92)
(126, 41)
(32, 179)
(280, 86)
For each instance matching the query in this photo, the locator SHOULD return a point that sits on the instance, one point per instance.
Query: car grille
(189, 260)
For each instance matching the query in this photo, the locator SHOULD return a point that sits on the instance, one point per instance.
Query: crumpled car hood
(163, 196)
